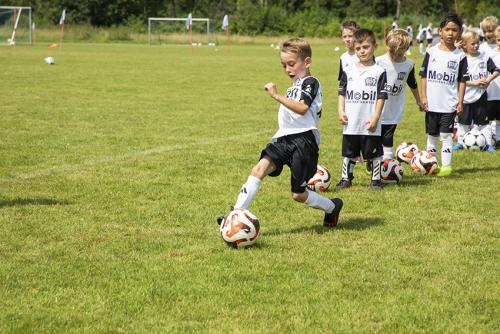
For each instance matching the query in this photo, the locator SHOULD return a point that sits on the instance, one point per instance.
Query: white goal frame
(19, 10)
(151, 19)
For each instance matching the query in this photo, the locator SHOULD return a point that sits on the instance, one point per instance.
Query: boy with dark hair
(296, 143)
(362, 92)
(444, 73)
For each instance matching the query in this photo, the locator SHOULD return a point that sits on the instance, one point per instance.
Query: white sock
(421, 47)
(446, 149)
(315, 200)
(248, 192)
(387, 153)
(461, 131)
(486, 131)
(376, 164)
(432, 144)
(348, 168)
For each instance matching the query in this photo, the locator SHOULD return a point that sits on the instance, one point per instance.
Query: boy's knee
(445, 136)
(300, 197)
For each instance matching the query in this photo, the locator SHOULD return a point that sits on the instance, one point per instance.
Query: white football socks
(248, 192)
(421, 48)
(446, 149)
(348, 168)
(432, 144)
(387, 153)
(376, 164)
(317, 201)
(461, 131)
(486, 131)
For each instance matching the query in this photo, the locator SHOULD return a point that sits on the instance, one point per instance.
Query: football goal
(15, 25)
(171, 30)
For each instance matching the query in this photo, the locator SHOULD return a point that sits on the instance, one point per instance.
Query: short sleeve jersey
(479, 67)
(494, 87)
(347, 60)
(443, 70)
(394, 25)
(409, 30)
(362, 87)
(428, 32)
(309, 90)
(487, 48)
(398, 75)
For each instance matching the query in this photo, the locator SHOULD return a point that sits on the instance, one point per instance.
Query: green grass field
(115, 161)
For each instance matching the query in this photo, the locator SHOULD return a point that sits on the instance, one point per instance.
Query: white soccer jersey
(479, 67)
(487, 48)
(398, 75)
(309, 90)
(394, 25)
(409, 30)
(347, 60)
(362, 87)
(443, 70)
(428, 32)
(494, 87)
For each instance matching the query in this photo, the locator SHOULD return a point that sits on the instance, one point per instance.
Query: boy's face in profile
(294, 66)
(348, 38)
(489, 34)
(365, 50)
(471, 46)
(450, 33)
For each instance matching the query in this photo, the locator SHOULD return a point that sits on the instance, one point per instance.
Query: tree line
(257, 17)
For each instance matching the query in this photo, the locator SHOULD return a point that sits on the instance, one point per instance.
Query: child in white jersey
(488, 26)
(481, 71)
(443, 75)
(362, 92)
(493, 92)
(348, 58)
(409, 30)
(400, 72)
(296, 143)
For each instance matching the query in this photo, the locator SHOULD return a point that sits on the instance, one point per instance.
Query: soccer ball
(406, 151)
(49, 60)
(240, 228)
(321, 180)
(474, 140)
(424, 163)
(391, 171)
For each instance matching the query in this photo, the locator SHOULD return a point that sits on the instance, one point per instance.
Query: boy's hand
(425, 105)
(271, 89)
(483, 83)
(459, 108)
(420, 106)
(343, 118)
(372, 125)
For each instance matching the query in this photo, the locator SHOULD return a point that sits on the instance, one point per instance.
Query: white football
(424, 163)
(240, 228)
(474, 140)
(321, 180)
(49, 60)
(391, 171)
(406, 151)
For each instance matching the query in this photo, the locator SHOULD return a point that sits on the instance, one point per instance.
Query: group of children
(371, 103)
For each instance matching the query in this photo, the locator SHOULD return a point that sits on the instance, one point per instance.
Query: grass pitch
(115, 161)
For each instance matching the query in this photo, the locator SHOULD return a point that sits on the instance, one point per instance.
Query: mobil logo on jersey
(363, 96)
(442, 77)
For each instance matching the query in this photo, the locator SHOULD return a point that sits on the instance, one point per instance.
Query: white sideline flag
(189, 21)
(33, 26)
(63, 17)
(225, 22)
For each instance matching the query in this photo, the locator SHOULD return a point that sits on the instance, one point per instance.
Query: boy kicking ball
(296, 143)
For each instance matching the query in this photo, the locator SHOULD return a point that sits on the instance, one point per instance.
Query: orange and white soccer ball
(391, 171)
(406, 151)
(240, 228)
(321, 179)
(424, 163)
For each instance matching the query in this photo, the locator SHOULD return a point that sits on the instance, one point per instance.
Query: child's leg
(421, 47)
(446, 149)
(486, 131)
(388, 140)
(432, 121)
(351, 148)
(348, 168)
(248, 191)
(461, 131)
(432, 142)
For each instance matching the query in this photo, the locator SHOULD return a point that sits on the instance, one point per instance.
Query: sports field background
(115, 161)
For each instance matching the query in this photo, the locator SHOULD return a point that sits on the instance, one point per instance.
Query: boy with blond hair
(296, 143)
(362, 92)
(481, 70)
(444, 73)
(488, 26)
(400, 72)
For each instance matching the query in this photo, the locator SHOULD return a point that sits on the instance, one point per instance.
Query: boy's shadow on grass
(31, 201)
(348, 224)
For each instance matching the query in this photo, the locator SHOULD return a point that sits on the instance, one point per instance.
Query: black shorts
(411, 42)
(476, 112)
(388, 134)
(369, 146)
(299, 152)
(494, 110)
(437, 122)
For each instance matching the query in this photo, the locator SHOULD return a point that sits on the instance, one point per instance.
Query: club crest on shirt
(370, 81)
(401, 75)
(453, 65)
(482, 65)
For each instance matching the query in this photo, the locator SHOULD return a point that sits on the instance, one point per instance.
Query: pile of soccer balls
(421, 162)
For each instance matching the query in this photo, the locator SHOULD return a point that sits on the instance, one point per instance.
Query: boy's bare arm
(416, 95)
(298, 107)
(461, 93)
(342, 114)
(425, 103)
(372, 124)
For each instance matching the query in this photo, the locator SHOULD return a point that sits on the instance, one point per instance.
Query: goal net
(169, 30)
(15, 25)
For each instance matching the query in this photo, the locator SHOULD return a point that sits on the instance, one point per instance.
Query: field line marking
(155, 150)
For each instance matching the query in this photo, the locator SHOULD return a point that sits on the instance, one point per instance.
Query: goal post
(176, 25)
(15, 25)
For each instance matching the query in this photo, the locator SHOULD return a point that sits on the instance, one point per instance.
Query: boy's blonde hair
(497, 32)
(470, 35)
(397, 42)
(298, 46)
(490, 22)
